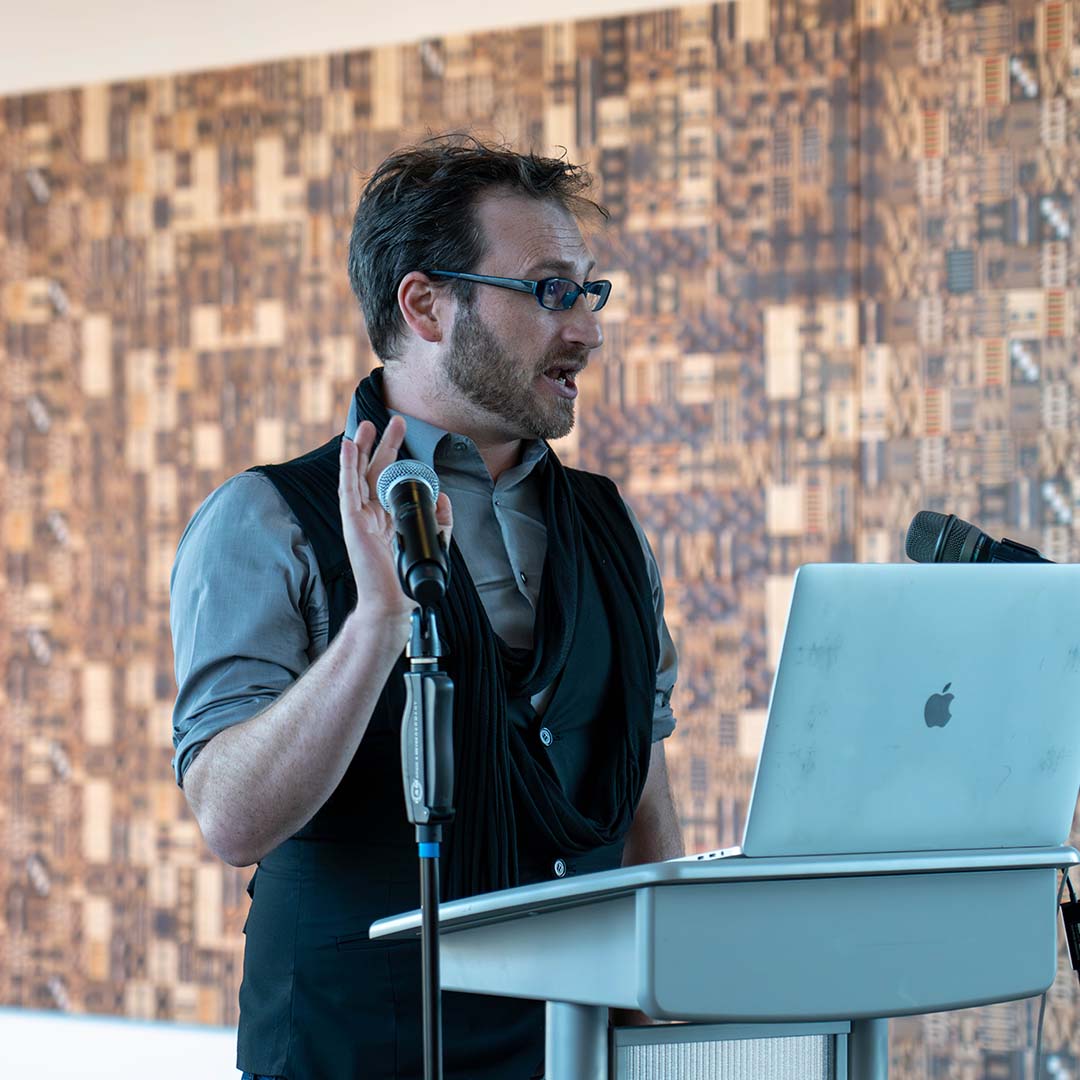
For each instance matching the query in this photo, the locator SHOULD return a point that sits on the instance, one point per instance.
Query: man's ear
(423, 306)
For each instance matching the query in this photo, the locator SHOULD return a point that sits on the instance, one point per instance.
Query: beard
(503, 384)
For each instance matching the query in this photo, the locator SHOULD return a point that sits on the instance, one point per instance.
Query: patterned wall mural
(845, 289)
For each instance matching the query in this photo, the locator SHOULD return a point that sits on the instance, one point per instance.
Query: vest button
(559, 868)
(546, 737)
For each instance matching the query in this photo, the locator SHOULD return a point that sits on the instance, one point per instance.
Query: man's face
(509, 358)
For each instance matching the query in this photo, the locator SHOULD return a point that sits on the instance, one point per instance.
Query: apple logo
(936, 710)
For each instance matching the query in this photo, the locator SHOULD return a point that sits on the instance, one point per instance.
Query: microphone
(937, 538)
(407, 490)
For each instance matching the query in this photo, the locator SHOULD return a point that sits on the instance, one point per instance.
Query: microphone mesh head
(954, 541)
(924, 532)
(922, 535)
(398, 472)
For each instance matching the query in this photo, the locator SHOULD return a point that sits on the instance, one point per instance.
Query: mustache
(572, 358)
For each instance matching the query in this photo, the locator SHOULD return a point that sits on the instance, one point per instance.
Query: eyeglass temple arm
(520, 284)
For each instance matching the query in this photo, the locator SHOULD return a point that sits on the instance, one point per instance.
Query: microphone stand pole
(427, 771)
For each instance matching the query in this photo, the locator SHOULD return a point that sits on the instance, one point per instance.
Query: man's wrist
(375, 633)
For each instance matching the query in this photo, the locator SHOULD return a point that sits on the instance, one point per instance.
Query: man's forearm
(655, 834)
(256, 783)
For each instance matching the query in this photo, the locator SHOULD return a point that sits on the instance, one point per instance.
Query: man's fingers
(444, 516)
(363, 454)
(388, 448)
(356, 479)
(365, 435)
(444, 512)
(348, 486)
(353, 490)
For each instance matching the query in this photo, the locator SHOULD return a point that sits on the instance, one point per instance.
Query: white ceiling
(51, 43)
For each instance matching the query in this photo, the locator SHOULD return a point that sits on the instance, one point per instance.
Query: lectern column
(576, 1042)
(868, 1050)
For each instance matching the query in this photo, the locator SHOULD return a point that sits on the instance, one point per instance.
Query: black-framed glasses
(553, 293)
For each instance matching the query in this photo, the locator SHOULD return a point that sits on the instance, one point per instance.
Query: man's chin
(540, 419)
(556, 426)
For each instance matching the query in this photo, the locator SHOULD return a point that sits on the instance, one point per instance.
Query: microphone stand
(427, 771)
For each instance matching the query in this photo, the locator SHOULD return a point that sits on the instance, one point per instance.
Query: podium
(812, 949)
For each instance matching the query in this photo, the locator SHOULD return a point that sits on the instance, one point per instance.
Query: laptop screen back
(922, 708)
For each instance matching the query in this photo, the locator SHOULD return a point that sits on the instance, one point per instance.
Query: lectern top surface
(588, 888)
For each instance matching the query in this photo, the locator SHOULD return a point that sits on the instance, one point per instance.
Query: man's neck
(500, 457)
(402, 395)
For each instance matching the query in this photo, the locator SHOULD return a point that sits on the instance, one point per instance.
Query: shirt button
(546, 737)
(524, 579)
(559, 868)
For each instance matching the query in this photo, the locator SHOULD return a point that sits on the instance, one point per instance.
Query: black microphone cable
(1070, 917)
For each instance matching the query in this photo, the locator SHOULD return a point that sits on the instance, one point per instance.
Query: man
(289, 625)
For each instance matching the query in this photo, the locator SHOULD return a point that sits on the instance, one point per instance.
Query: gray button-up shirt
(249, 610)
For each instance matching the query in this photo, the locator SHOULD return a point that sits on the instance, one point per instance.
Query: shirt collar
(422, 439)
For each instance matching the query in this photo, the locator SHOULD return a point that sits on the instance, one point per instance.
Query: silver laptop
(920, 708)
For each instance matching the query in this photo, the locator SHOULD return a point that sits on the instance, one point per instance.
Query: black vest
(319, 999)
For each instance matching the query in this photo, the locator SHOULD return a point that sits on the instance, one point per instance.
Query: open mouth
(562, 380)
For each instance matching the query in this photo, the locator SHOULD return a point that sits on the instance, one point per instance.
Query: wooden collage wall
(845, 290)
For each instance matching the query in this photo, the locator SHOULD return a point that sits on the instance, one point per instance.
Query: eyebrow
(561, 268)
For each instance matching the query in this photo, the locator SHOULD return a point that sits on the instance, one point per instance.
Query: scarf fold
(501, 791)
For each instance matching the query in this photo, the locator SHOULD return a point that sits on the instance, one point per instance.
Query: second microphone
(936, 538)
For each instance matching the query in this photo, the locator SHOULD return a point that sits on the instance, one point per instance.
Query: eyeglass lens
(561, 294)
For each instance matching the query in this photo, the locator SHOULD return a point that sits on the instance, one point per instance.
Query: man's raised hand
(368, 529)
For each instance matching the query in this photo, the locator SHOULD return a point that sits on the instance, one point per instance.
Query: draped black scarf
(501, 790)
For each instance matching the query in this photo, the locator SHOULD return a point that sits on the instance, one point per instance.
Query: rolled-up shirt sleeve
(247, 611)
(667, 663)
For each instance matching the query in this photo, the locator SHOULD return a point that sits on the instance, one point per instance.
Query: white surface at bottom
(61, 1046)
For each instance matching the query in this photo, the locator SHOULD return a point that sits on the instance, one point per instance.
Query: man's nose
(582, 326)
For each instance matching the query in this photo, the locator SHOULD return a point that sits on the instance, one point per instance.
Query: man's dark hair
(418, 213)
